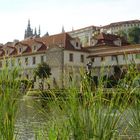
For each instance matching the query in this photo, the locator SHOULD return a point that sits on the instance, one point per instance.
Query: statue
(88, 68)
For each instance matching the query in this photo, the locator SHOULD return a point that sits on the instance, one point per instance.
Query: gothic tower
(63, 30)
(28, 31)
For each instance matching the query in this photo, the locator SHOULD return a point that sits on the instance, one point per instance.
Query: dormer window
(34, 48)
(77, 44)
(19, 50)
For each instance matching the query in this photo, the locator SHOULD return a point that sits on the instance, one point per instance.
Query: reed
(9, 95)
(98, 113)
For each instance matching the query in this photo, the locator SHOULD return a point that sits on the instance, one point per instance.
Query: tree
(134, 35)
(43, 71)
(122, 33)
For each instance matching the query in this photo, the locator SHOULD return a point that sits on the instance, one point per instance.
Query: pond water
(29, 119)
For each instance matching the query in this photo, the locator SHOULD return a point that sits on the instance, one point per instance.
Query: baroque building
(84, 34)
(114, 28)
(61, 52)
(87, 33)
(66, 55)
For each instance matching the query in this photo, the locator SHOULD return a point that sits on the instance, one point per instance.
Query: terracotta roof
(3, 52)
(28, 41)
(13, 52)
(107, 36)
(115, 50)
(42, 48)
(61, 40)
(108, 39)
(28, 49)
(114, 53)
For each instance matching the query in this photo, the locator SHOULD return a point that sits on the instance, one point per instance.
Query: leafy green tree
(43, 71)
(122, 33)
(134, 35)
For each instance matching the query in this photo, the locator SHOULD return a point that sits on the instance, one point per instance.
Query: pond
(32, 119)
(29, 119)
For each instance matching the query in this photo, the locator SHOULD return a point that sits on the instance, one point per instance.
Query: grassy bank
(9, 95)
(95, 113)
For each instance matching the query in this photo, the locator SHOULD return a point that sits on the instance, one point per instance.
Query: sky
(51, 15)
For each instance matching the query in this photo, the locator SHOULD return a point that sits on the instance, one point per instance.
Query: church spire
(35, 33)
(39, 32)
(63, 30)
(28, 31)
(28, 22)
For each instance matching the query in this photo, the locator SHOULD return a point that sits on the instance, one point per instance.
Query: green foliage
(123, 34)
(9, 95)
(98, 113)
(134, 35)
(43, 70)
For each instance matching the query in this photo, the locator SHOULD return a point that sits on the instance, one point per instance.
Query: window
(0, 64)
(71, 57)
(77, 44)
(102, 58)
(113, 57)
(92, 59)
(42, 58)
(82, 58)
(34, 60)
(34, 48)
(26, 61)
(27, 76)
(20, 50)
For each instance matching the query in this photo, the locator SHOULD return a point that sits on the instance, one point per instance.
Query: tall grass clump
(90, 115)
(9, 95)
(130, 87)
(97, 112)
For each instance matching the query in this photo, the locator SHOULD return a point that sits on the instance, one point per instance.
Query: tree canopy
(43, 70)
(134, 35)
(122, 33)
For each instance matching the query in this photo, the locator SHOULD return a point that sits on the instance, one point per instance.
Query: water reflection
(29, 119)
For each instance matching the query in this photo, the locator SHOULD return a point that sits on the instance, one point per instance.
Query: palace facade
(67, 57)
